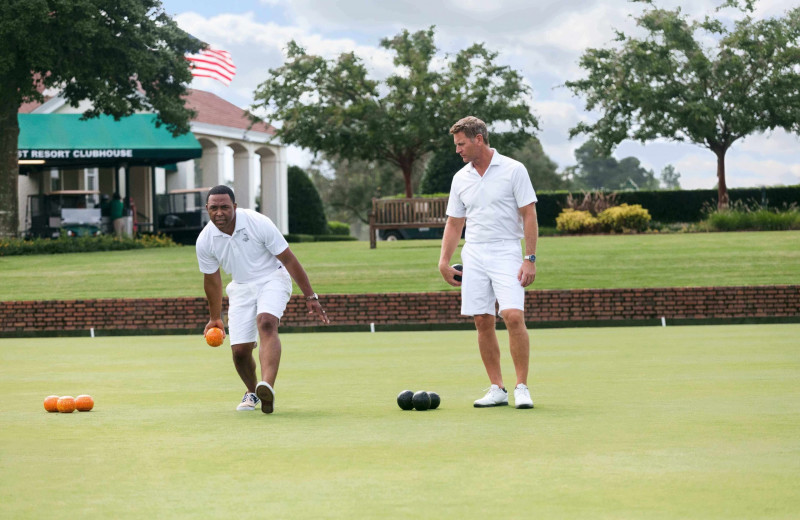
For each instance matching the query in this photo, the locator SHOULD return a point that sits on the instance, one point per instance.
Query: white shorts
(247, 300)
(490, 275)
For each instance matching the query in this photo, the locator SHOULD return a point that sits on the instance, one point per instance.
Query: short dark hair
(221, 190)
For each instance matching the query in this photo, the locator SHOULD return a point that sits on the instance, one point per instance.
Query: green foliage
(123, 57)
(572, 221)
(439, 171)
(597, 170)
(347, 195)
(672, 84)
(673, 206)
(306, 214)
(331, 106)
(338, 228)
(624, 219)
(49, 246)
(298, 237)
(752, 217)
(670, 178)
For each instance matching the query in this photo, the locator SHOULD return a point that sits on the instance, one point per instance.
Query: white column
(274, 188)
(244, 178)
(213, 161)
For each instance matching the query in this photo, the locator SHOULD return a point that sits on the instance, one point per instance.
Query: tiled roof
(214, 110)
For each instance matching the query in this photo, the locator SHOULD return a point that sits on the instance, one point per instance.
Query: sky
(541, 39)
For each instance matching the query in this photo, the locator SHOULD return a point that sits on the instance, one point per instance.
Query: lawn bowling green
(636, 423)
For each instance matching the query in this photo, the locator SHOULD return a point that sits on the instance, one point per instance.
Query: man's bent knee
(267, 323)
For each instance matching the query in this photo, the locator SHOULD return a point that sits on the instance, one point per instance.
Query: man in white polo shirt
(247, 245)
(494, 197)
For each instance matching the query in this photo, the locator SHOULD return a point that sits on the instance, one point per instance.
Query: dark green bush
(50, 246)
(298, 237)
(744, 217)
(334, 238)
(306, 213)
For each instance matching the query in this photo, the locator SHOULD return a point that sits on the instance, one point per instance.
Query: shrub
(50, 246)
(306, 214)
(574, 221)
(298, 237)
(334, 238)
(625, 218)
(338, 228)
(742, 216)
(594, 202)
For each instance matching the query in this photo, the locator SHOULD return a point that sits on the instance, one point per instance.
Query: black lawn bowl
(457, 267)
(405, 400)
(435, 400)
(422, 401)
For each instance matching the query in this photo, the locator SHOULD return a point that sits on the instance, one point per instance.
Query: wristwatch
(530, 258)
(312, 297)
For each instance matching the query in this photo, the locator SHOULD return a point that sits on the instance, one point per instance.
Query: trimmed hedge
(299, 237)
(670, 206)
(63, 244)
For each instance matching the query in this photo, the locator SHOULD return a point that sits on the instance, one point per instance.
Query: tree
(597, 170)
(668, 85)
(122, 56)
(670, 178)
(444, 163)
(331, 106)
(306, 214)
(347, 194)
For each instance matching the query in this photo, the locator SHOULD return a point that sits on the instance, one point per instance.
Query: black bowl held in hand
(457, 267)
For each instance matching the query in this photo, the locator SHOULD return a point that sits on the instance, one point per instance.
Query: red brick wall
(190, 314)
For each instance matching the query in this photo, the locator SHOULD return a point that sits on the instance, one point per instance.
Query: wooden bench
(418, 212)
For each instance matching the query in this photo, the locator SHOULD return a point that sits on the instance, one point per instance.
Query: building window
(55, 179)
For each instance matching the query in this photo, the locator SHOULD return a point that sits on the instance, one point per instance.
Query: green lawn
(633, 423)
(750, 258)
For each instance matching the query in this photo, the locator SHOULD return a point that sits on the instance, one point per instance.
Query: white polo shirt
(491, 202)
(249, 254)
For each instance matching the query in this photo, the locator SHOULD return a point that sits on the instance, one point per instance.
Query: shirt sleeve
(205, 256)
(455, 206)
(523, 189)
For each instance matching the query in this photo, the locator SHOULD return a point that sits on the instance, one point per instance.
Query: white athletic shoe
(249, 402)
(267, 395)
(522, 397)
(495, 396)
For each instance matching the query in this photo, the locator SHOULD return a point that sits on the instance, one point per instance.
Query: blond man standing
(493, 195)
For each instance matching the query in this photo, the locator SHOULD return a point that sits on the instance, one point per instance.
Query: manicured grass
(650, 423)
(706, 259)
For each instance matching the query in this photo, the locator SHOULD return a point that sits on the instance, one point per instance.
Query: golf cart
(182, 214)
(72, 213)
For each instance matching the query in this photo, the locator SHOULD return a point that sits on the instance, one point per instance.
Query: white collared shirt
(491, 202)
(249, 254)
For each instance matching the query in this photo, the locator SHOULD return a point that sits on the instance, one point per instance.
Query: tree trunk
(407, 170)
(722, 187)
(9, 169)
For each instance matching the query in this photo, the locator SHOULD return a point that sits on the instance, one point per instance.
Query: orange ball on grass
(84, 403)
(51, 403)
(66, 404)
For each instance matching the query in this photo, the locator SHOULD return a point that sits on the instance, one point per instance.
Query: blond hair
(471, 126)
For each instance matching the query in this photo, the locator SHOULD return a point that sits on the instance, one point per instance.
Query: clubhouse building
(59, 153)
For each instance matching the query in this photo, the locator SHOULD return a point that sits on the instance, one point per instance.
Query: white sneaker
(249, 402)
(267, 395)
(495, 396)
(522, 397)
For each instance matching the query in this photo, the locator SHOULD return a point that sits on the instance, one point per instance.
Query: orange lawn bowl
(66, 404)
(51, 403)
(84, 403)
(215, 336)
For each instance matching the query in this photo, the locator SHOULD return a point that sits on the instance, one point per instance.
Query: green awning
(66, 140)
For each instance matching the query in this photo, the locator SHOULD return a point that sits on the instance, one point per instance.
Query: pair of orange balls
(68, 404)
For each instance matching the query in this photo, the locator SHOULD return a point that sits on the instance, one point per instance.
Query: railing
(406, 213)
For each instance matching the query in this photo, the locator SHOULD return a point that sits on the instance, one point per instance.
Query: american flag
(213, 63)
